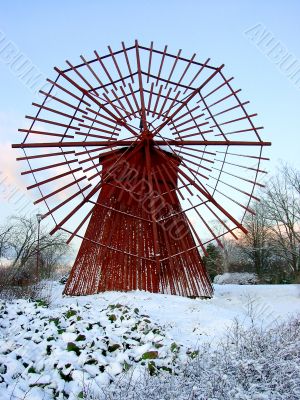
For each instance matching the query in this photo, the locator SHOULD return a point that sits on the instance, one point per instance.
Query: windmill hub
(144, 203)
(147, 135)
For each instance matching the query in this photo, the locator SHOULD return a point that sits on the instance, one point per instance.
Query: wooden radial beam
(139, 152)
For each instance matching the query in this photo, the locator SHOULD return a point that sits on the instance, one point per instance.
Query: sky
(252, 38)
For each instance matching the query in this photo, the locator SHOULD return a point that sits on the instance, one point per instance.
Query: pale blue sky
(50, 32)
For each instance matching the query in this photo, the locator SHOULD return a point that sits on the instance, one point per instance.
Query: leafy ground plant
(55, 352)
(249, 364)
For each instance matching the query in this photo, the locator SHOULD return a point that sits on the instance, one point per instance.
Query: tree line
(29, 255)
(272, 247)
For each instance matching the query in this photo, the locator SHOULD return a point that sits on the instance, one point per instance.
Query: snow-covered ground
(192, 321)
(52, 352)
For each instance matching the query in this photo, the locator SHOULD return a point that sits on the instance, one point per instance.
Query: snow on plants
(238, 278)
(53, 353)
(101, 346)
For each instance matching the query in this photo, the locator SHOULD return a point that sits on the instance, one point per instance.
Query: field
(100, 346)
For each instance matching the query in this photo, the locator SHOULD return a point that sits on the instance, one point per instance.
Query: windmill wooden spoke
(115, 107)
(114, 83)
(94, 74)
(190, 97)
(227, 110)
(45, 121)
(96, 121)
(161, 65)
(80, 205)
(173, 83)
(210, 106)
(216, 89)
(46, 133)
(130, 160)
(52, 110)
(173, 68)
(150, 61)
(127, 62)
(87, 94)
(198, 157)
(126, 97)
(214, 119)
(193, 119)
(164, 103)
(141, 89)
(98, 114)
(94, 91)
(184, 72)
(197, 150)
(63, 203)
(207, 226)
(75, 182)
(76, 230)
(177, 57)
(105, 69)
(221, 221)
(239, 177)
(92, 166)
(245, 155)
(198, 238)
(94, 128)
(198, 73)
(45, 155)
(30, 171)
(242, 166)
(242, 106)
(209, 197)
(235, 202)
(234, 120)
(236, 188)
(60, 87)
(130, 142)
(112, 140)
(53, 178)
(255, 129)
(192, 207)
(157, 100)
(102, 58)
(61, 102)
(117, 66)
(192, 128)
(195, 163)
(191, 171)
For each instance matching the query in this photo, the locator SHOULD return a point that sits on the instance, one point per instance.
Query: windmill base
(117, 253)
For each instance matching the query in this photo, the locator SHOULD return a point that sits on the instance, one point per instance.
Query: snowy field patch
(56, 351)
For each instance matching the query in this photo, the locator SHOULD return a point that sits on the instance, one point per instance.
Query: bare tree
(4, 239)
(229, 249)
(258, 244)
(281, 202)
(21, 245)
(292, 176)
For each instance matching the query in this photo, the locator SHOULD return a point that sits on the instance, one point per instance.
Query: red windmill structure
(136, 152)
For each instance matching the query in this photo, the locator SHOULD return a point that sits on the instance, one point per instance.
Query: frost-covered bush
(237, 278)
(250, 364)
(63, 279)
(55, 353)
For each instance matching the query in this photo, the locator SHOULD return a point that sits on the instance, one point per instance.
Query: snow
(238, 278)
(91, 340)
(191, 321)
